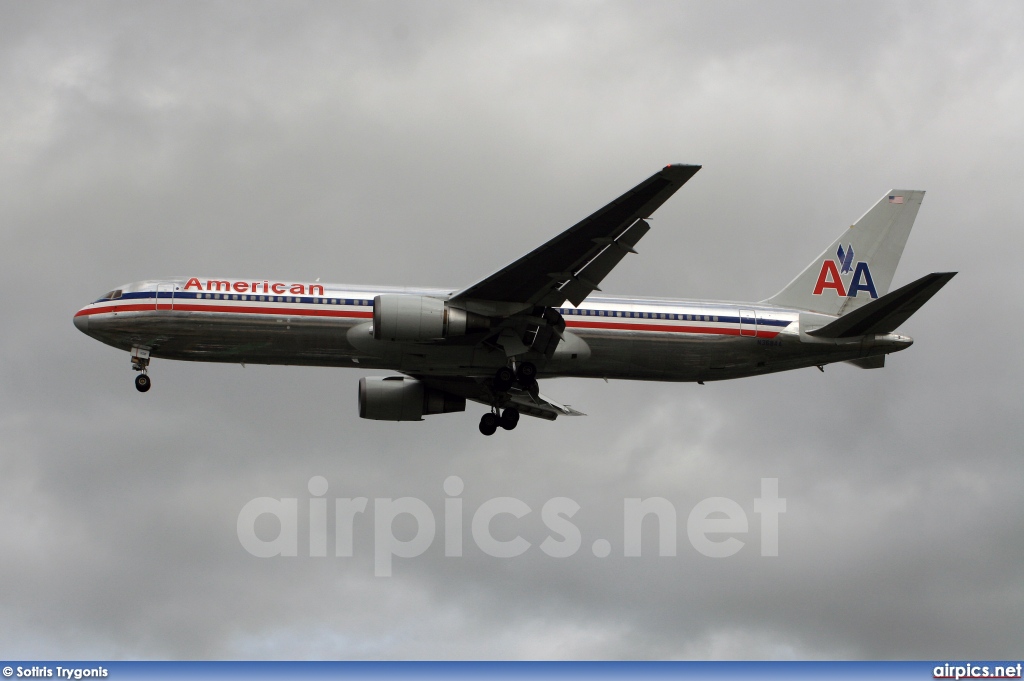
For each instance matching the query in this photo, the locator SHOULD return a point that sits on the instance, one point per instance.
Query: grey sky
(430, 144)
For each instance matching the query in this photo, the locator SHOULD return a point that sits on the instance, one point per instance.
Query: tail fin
(858, 267)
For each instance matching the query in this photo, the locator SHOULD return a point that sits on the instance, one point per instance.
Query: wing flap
(541, 406)
(590, 276)
(477, 390)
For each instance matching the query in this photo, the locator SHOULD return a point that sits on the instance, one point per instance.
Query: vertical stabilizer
(858, 267)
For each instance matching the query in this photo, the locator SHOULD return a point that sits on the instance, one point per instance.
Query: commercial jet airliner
(534, 319)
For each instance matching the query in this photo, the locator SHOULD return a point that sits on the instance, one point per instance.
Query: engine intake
(399, 317)
(399, 398)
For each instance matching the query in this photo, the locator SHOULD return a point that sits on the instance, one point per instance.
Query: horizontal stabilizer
(885, 314)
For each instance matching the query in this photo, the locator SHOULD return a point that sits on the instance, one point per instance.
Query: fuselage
(318, 324)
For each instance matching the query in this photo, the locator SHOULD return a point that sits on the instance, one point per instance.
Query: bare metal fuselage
(330, 325)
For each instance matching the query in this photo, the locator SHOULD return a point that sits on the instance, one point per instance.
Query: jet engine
(400, 398)
(399, 317)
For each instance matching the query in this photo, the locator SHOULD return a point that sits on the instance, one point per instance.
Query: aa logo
(831, 271)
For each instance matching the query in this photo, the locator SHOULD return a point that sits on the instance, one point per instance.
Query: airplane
(540, 317)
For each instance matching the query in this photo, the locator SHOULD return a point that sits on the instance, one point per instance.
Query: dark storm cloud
(430, 144)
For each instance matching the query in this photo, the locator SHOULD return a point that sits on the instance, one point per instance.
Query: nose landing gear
(140, 361)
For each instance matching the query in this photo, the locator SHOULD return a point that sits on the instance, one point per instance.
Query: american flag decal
(895, 199)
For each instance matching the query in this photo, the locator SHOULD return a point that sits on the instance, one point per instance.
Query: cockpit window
(113, 295)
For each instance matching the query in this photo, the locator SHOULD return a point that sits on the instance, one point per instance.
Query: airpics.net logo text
(714, 526)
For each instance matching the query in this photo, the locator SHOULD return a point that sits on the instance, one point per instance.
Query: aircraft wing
(571, 265)
(477, 390)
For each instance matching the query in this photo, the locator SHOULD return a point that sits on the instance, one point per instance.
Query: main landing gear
(490, 422)
(523, 376)
(140, 361)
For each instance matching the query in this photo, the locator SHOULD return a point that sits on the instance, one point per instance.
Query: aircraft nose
(82, 322)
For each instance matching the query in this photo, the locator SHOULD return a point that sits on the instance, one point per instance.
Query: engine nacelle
(399, 317)
(399, 398)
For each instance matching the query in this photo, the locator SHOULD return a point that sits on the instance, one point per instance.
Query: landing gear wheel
(526, 372)
(509, 418)
(142, 383)
(488, 423)
(503, 379)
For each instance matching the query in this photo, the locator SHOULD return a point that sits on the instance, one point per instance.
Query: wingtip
(680, 171)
